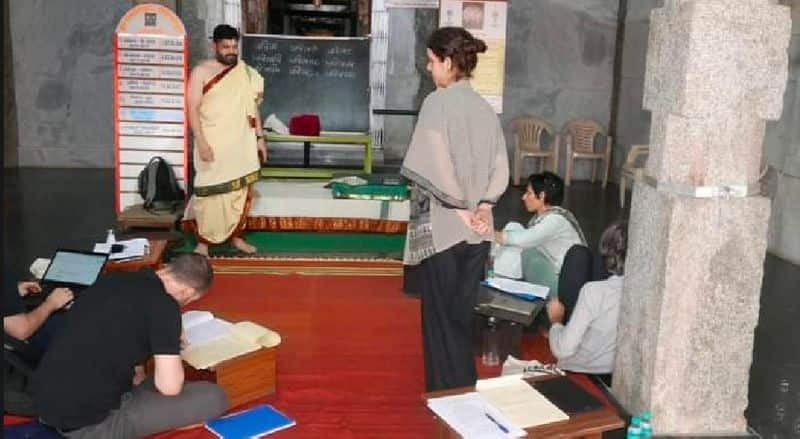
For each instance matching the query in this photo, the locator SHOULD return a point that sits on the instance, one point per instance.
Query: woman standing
(458, 163)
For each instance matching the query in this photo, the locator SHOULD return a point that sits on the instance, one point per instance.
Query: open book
(212, 340)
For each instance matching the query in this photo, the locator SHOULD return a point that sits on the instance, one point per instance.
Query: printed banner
(151, 129)
(149, 57)
(144, 100)
(151, 86)
(433, 4)
(150, 72)
(485, 20)
(150, 42)
(150, 115)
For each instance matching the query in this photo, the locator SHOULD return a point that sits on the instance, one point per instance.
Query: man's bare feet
(243, 246)
(201, 249)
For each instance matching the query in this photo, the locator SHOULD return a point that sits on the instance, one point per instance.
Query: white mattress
(310, 199)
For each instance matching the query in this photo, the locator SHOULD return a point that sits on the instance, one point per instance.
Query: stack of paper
(473, 417)
(131, 249)
(525, 290)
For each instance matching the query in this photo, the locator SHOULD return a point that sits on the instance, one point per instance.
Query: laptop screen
(75, 267)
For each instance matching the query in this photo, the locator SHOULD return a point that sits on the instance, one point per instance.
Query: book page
(217, 351)
(207, 331)
(522, 404)
(192, 318)
(256, 333)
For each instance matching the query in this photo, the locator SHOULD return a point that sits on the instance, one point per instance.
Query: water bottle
(491, 344)
(110, 238)
(635, 429)
(646, 425)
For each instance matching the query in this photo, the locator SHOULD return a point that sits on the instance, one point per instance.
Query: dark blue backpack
(159, 188)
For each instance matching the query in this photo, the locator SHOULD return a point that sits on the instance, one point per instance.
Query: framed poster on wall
(485, 19)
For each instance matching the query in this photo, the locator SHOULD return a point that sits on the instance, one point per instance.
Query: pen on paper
(499, 425)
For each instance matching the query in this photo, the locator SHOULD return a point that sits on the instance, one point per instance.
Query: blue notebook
(251, 423)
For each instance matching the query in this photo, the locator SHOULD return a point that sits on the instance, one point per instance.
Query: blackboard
(327, 76)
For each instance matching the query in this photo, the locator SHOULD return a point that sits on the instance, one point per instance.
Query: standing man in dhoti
(223, 97)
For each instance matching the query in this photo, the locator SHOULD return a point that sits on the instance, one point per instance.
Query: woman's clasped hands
(479, 221)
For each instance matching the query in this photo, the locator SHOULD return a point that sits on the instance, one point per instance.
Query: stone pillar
(716, 70)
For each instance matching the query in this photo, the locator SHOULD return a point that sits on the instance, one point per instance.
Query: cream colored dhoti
(220, 201)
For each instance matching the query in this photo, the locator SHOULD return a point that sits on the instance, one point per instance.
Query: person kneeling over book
(588, 342)
(90, 384)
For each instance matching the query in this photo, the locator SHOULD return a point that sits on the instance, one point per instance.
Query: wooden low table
(153, 259)
(326, 138)
(590, 424)
(244, 379)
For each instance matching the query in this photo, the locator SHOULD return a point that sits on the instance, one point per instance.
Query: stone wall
(9, 106)
(556, 74)
(782, 152)
(63, 80)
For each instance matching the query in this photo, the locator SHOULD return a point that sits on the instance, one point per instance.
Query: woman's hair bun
(474, 45)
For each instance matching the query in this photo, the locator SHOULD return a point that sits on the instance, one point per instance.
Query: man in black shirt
(90, 383)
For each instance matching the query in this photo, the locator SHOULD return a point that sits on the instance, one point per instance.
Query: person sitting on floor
(90, 382)
(25, 326)
(25, 337)
(588, 342)
(543, 244)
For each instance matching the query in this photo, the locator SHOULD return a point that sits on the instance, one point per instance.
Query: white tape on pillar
(690, 191)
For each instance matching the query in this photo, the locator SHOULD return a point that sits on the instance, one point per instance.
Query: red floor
(350, 365)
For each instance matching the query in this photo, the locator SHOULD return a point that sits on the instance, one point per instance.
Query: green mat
(311, 244)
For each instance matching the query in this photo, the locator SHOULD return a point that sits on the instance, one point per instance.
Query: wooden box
(244, 379)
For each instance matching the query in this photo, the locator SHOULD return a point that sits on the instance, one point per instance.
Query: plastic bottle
(635, 429)
(645, 424)
(491, 344)
(110, 238)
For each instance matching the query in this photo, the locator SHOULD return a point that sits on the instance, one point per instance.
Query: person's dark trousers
(451, 282)
(145, 411)
(575, 272)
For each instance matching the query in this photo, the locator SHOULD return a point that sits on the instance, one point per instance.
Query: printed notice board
(150, 76)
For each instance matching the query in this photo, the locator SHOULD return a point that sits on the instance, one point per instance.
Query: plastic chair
(528, 135)
(633, 168)
(579, 136)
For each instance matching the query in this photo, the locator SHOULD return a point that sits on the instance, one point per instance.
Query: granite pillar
(716, 71)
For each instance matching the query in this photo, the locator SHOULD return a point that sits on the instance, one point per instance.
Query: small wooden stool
(137, 216)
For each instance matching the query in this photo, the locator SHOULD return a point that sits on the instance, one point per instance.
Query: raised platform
(291, 205)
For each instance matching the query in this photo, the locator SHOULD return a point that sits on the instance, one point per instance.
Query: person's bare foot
(243, 246)
(201, 249)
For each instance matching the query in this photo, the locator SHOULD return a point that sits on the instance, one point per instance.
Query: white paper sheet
(518, 287)
(132, 249)
(473, 417)
(201, 327)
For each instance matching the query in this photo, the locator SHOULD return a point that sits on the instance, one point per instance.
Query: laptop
(73, 269)
(495, 303)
